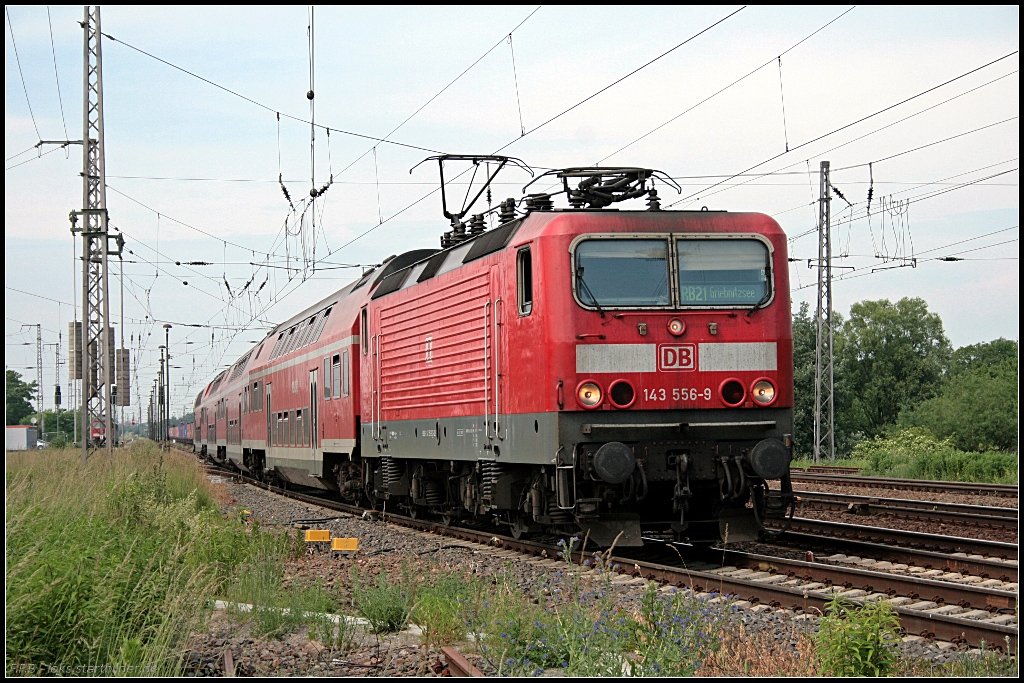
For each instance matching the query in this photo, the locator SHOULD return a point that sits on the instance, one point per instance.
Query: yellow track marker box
(318, 536)
(345, 544)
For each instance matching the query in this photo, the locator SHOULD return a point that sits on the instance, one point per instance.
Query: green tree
(985, 354)
(60, 428)
(19, 393)
(978, 405)
(891, 356)
(805, 337)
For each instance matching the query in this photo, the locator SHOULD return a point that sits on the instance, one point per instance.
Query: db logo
(677, 357)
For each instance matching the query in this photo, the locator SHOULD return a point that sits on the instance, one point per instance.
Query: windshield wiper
(586, 290)
(762, 302)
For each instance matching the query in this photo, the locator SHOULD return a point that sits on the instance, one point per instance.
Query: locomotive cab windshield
(682, 272)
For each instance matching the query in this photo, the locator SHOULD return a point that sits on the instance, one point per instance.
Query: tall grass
(577, 624)
(275, 609)
(111, 565)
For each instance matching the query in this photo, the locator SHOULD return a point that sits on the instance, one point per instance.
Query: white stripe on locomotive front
(722, 356)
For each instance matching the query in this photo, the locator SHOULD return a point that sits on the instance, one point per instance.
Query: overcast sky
(914, 108)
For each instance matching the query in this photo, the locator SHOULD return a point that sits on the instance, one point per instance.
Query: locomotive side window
(524, 272)
(622, 272)
(364, 331)
(722, 272)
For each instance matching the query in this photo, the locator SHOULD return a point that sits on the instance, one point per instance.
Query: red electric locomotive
(586, 370)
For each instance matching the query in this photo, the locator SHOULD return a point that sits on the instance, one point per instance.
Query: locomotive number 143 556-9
(676, 394)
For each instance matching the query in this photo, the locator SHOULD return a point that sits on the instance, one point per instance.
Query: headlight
(732, 392)
(763, 392)
(621, 393)
(676, 327)
(588, 394)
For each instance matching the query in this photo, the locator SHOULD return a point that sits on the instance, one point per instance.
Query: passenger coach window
(344, 372)
(722, 272)
(622, 272)
(327, 378)
(336, 375)
(524, 270)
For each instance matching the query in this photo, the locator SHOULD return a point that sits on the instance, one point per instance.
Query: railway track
(987, 617)
(458, 665)
(991, 517)
(827, 469)
(974, 612)
(853, 551)
(857, 481)
(952, 545)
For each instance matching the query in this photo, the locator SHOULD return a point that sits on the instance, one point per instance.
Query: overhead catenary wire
(873, 269)
(56, 76)
(782, 97)
(260, 104)
(538, 127)
(730, 85)
(857, 121)
(726, 178)
(17, 59)
(623, 78)
(930, 195)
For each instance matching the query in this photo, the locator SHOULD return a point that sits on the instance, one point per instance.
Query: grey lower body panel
(528, 439)
(299, 465)
(534, 438)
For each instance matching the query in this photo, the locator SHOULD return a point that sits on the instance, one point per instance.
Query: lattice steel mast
(96, 341)
(824, 405)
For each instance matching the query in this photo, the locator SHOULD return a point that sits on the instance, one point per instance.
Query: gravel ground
(384, 548)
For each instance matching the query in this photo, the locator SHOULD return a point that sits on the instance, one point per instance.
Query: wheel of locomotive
(449, 518)
(517, 525)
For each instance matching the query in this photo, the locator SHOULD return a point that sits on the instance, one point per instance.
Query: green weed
(857, 640)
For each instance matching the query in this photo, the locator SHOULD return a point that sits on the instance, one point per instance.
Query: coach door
(379, 434)
(270, 420)
(494, 355)
(314, 412)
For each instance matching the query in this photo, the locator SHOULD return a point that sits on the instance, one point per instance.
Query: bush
(913, 453)
(857, 641)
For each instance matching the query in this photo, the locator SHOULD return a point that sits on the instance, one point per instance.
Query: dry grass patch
(745, 655)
